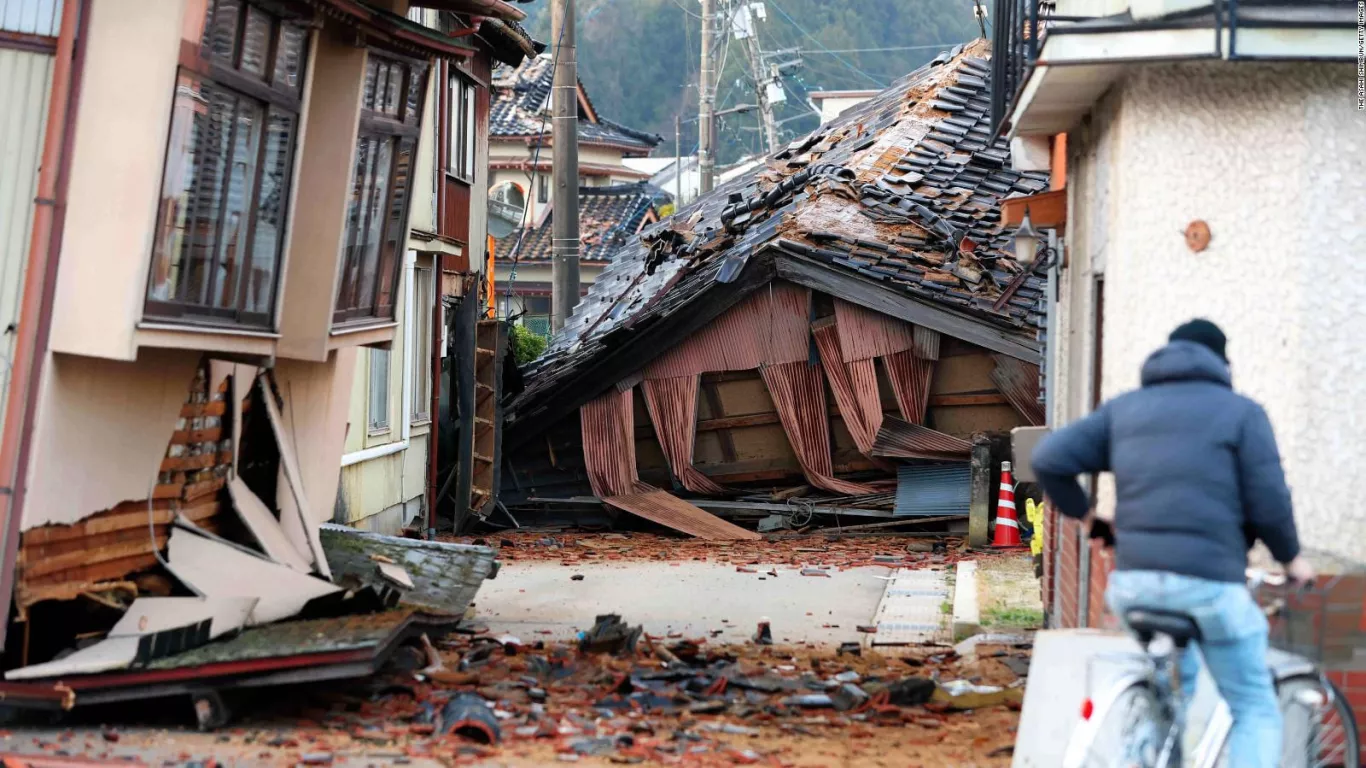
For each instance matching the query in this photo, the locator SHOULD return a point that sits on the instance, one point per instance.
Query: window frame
(424, 296)
(383, 424)
(199, 64)
(398, 132)
(461, 127)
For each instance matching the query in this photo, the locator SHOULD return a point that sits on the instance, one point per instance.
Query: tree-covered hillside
(639, 58)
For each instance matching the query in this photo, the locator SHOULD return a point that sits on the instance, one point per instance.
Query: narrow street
(698, 690)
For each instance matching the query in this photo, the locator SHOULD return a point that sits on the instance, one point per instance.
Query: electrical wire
(822, 46)
(934, 46)
(685, 10)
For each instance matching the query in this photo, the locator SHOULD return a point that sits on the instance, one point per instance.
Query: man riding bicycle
(1198, 480)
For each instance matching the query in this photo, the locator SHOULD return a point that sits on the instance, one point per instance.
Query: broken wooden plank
(673, 512)
(394, 574)
(213, 569)
(265, 528)
(157, 614)
(305, 533)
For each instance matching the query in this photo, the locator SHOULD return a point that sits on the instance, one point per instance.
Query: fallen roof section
(670, 511)
(894, 206)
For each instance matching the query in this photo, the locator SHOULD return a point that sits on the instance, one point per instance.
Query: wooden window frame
(383, 424)
(462, 96)
(376, 126)
(424, 295)
(198, 62)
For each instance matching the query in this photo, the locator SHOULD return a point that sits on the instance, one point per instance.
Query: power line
(813, 39)
(685, 10)
(940, 46)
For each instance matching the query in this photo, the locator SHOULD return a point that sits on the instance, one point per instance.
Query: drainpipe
(35, 310)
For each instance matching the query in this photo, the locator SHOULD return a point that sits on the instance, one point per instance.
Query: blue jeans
(1233, 644)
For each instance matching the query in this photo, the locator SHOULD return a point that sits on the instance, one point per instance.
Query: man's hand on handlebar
(1300, 571)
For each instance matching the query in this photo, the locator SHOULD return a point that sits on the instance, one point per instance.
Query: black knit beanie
(1202, 332)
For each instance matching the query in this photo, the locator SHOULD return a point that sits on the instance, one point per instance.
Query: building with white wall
(1214, 164)
(830, 104)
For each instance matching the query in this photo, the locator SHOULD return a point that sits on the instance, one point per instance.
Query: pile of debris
(622, 696)
(833, 552)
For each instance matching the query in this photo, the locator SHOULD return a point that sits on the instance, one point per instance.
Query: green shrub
(526, 346)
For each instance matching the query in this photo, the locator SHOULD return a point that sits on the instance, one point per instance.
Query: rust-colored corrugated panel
(863, 375)
(865, 334)
(926, 343)
(768, 327)
(1019, 382)
(673, 512)
(902, 440)
(827, 337)
(910, 378)
(798, 393)
(609, 443)
(673, 409)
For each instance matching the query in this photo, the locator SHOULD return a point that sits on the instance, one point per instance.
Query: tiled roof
(522, 96)
(609, 218)
(900, 195)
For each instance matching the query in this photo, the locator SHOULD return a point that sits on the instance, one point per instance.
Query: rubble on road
(689, 703)
(815, 553)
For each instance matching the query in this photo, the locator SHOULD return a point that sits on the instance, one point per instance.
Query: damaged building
(847, 323)
(222, 228)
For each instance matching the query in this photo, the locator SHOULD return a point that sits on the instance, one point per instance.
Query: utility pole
(564, 231)
(706, 160)
(678, 162)
(746, 26)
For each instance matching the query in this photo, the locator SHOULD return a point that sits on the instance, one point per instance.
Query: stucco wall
(1273, 157)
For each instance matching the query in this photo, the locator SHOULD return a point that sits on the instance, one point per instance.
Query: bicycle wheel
(1320, 729)
(1129, 732)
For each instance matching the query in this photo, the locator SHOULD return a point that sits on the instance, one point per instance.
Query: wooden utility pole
(706, 160)
(564, 231)
(678, 162)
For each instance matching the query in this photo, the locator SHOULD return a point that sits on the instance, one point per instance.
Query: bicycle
(1140, 721)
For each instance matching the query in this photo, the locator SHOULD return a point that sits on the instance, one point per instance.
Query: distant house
(688, 371)
(1146, 113)
(609, 218)
(521, 154)
(831, 104)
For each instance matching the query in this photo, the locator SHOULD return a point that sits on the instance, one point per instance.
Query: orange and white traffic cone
(1007, 523)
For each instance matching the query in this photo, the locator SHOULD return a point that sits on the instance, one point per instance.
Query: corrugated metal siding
(771, 326)
(933, 490)
(1019, 382)
(866, 334)
(31, 17)
(25, 79)
(901, 440)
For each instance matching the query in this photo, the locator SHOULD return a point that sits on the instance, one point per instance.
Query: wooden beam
(948, 401)
(979, 508)
(1046, 209)
(874, 296)
(713, 396)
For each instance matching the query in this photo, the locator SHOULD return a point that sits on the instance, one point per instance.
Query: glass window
(379, 390)
(229, 158)
(422, 344)
(381, 187)
(460, 154)
(542, 188)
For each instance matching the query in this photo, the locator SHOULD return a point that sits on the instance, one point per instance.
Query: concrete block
(967, 614)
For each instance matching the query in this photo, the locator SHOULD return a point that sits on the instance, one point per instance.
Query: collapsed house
(187, 345)
(848, 319)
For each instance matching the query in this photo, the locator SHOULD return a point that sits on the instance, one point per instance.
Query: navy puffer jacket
(1197, 473)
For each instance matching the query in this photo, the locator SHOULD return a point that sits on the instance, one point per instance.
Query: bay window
(381, 186)
(229, 161)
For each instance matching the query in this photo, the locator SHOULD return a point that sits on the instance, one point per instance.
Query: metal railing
(1014, 49)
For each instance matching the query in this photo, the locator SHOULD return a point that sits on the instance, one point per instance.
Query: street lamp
(1027, 241)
